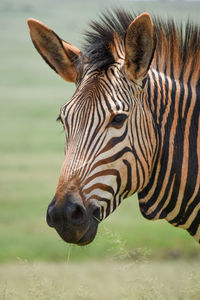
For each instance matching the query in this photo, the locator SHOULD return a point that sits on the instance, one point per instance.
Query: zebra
(132, 125)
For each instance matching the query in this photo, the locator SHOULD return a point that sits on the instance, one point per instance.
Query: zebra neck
(173, 191)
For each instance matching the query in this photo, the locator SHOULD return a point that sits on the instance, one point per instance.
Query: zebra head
(110, 133)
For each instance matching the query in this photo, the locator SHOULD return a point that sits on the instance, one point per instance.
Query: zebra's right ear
(59, 55)
(139, 48)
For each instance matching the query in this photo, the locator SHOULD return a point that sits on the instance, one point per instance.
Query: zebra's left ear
(60, 55)
(139, 48)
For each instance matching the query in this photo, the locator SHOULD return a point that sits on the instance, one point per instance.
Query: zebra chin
(73, 221)
(80, 237)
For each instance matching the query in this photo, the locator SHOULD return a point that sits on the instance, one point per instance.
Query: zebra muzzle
(74, 222)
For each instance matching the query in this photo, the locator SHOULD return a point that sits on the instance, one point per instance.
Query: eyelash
(59, 119)
(118, 120)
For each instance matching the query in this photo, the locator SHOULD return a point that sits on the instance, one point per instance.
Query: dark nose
(71, 210)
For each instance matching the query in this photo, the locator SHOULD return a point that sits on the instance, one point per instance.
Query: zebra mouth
(74, 222)
(90, 234)
(79, 228)
(79, 236)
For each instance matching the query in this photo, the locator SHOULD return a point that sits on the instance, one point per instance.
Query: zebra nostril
(76, 213)
(71, 212)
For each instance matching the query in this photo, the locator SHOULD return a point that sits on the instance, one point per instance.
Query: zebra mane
(177, 44)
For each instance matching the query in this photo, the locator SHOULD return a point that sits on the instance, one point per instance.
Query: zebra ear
(139, 47)
(59, 55)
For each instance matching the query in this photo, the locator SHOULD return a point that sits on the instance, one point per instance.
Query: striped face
(107, 156)
(110, 134)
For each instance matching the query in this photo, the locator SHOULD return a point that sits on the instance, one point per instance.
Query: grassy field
(31, 154)
(145, 280)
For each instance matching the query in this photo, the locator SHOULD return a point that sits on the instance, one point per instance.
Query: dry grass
(174, 280)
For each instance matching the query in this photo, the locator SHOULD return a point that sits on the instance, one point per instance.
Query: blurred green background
(32, 145)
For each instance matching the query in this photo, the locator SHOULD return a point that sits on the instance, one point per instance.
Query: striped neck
(173, 190)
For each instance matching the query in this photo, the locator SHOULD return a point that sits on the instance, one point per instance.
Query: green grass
(32, 143)
(122, 281)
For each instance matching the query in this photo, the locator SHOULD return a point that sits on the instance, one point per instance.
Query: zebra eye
(118, 120)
